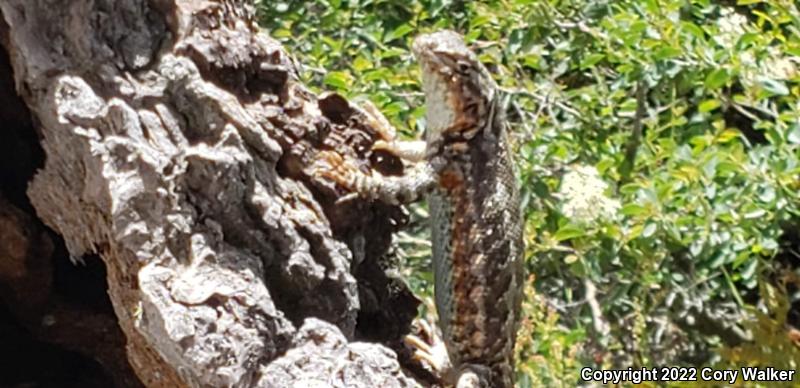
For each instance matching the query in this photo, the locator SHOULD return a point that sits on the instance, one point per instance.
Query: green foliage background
(689, 111)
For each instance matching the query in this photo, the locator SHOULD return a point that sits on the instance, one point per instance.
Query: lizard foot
(429, 349)
(394, 190)
(332, 166)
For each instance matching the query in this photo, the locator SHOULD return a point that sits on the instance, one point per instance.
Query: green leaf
(398, 32)
(361, 63)
(629, 188)
(568, 231)
(694, 29)
(758, 213)
(749, 269)
(649, 230)
(742, 257)
(478, 21)
(774, 87)
(591, 60)
(634, 232)
(377, 74)
(281, 33)
(633, 209)
(338, 79)
(769, 244)
(795, 51)
(717, 260)
(748, 38)
(392, 52)
(708, 105)
(394, 108)
(727, 135)
(667, 52)
(717, 78)
(532, 61)
(794, 134)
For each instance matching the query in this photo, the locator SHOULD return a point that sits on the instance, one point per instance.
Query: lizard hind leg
(429, 350)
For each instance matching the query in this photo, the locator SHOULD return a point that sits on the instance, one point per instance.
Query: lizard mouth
(441, 115)
(452, 81)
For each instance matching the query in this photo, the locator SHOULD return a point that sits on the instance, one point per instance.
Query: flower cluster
(731, 27)
(778, 66)
(583, 194)
(775, 65)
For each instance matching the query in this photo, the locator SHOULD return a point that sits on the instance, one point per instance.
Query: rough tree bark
(178, 147)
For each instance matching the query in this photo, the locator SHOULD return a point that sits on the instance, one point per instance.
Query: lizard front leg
(409, 187)
(408, 150)
(427, 346)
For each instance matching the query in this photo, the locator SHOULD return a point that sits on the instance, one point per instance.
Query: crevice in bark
(23, 358)
(43, 344)
(20, 152)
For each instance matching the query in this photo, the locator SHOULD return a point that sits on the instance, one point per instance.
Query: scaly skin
(476, 224)
(474, 208)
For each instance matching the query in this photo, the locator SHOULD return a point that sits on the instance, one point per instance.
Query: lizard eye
(463, 66)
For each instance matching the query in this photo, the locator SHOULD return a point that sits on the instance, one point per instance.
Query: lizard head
(458, 89)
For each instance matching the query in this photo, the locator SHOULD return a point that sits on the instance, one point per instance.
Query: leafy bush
(658, 157)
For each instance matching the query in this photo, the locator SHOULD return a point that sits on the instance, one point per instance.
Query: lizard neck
(460, 104)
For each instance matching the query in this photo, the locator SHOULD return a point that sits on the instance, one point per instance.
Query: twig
(582, 27)
(636, 137)
(543, 100)
(601, 327)
(562, 308)
(522, 117)
(409, 95)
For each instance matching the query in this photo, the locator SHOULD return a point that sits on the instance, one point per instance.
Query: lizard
(464, 167)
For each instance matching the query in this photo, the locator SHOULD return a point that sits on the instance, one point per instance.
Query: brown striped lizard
(464, 167)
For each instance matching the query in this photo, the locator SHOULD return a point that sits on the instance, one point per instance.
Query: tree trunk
(180, 148)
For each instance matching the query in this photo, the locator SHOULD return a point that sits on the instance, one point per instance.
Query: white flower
(778, 66)
(583, 194)
(731, 27)
(774, 66)
(747, 59)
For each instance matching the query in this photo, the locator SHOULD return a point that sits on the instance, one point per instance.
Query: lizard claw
(378, 121)
(429, 349)
(334, 167)
(409, 150)
(381, 145)
(347, 198)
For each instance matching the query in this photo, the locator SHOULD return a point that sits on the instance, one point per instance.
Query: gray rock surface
(322, 357)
